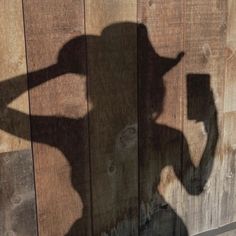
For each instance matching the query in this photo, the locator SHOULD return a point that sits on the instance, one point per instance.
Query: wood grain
(13, 63)
(160, 138)
(228, 164)
(58, 102)
(204, 44)
(116, 147)
(112, 74)
(17, 195)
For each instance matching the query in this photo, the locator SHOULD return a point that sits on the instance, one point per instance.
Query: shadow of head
(115, 40)
(115, 59)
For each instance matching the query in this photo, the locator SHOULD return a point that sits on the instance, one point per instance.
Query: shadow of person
(161, 146)
(117, 43)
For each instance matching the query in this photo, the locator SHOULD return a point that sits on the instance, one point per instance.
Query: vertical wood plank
(204, 43)
(227, 192)
(160, 137)
(17, 195)
(228, 164)
(57, 79)
(13, 63)
(112, 64)
(229, 102)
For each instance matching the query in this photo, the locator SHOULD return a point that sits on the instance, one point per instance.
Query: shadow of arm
(16, 122)
(194, 178)
(12, 88)
(49, 130)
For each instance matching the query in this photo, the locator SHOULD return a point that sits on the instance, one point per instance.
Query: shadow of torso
(115, 60)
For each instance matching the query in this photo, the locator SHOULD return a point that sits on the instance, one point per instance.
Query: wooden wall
(100, 132)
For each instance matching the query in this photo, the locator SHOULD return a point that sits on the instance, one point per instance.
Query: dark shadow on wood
(169, 144)
(66, 133)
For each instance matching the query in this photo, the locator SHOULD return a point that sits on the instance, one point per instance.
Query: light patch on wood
(167, 179)
(18, 105)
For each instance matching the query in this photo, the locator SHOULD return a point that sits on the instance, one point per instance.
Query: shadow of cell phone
(198, 96)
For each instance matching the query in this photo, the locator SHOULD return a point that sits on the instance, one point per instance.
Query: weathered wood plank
(56, 57)
(227, 192)
(112, 73)
(230, 81)
(228, 174)
(17, 195)
(225, 230)
(160, 137)
(13, 63)
(204, 44)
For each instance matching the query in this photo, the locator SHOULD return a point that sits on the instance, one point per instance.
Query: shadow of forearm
(16, 122)
(195, 178)
(12, 88)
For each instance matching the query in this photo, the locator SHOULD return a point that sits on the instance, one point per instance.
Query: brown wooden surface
(159, 115)
(204, 43)
(115, 142)
(17, 195)
(59, 108)
(112, 66)
(228, 185)
(12, 63)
